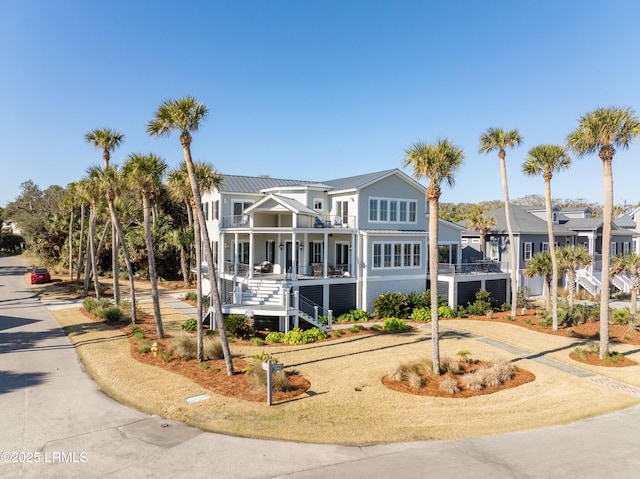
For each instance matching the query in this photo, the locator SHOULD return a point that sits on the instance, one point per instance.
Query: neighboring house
(631, 222)
(570, 227)
(297, 249)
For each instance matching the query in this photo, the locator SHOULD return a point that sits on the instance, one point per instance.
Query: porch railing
(484, 266)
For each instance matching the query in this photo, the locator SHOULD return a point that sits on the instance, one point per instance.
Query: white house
(297, 249)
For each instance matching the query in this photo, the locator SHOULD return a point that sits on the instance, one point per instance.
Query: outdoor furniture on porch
(317, 269)
(264, 267)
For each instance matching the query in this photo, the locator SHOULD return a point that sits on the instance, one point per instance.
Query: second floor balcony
(287, 221)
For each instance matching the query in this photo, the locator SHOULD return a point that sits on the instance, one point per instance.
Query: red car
(40, 275)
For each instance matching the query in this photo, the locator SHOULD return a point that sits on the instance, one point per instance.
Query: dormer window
(555, 217)
(318, 204)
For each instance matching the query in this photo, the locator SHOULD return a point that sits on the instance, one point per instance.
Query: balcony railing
(326, 221)
(477, 267)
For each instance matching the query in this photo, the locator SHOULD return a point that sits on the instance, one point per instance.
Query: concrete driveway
(55, 422)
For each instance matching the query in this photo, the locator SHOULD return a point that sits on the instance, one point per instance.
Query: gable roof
(361, 181)
(522, 222)
(288, 203)
(255, 184)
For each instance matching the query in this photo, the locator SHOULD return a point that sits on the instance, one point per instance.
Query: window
(238, 207)
(494, 249)
(544, 247)
(384, 204)
(377, 255)
(342, 253)
(392, 210)
(373, 210)
(527, 251)
(555, 218)
(387, 255)
(316, 252)
(625, 248)
(342, 212)
(475, 240)
(318, 204)
(396, 255)
(215, 210)
(206, 211)
(243, 252)
(613, 249)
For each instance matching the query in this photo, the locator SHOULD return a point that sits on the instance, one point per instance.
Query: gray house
(570, 227)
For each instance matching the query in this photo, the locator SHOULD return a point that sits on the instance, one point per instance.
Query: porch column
(325, 258)
(294, 256)
(352, 256)
(235, 255)
(251, 254)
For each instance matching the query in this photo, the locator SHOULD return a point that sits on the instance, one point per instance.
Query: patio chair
(263, 267)
(317, 269)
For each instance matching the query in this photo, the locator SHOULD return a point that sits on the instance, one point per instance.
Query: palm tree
(89, 191)
(108, 140)
(629, 263)
(541, 264)
(144, 174)
(570, 259)
(185, 115)
(110, 182)
(498, 139)
(483, 225)
(545, 160)
(105, 139)
(437, 163)
(602, 131)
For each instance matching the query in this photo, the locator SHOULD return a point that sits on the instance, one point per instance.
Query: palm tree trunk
(82, 215)
(215, 296)
(198, 251)
(71, 246)
(153, 276)
(552, 252)
(125, 252)
(433, 284)
(512, 244)
(94, 263)
(571, 278)
(606, 253)
(114, 263)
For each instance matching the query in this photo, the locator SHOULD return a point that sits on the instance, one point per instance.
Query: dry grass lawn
(347, 402)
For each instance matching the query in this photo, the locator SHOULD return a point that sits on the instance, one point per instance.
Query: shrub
(186, 345)
(354, 315)
(465, 356)
(166, 356)
(90, 304)
(395, 324)
(296, 336)
(620, 317)
(144, 348)
(138, 333)
(462, 312)
(446, 312)
(110, 314)
(258, 376)
(239, 326)
(125, 306)
(375, 327)
(391, 305)
(421, 314)
(503, 369)
(449, 365)
(316, 334)
(190, 324)
(191, 296)
(415, 380)
(257, 341)
(421, 367)
(275, 337)
(449, 384)
(212, 348)
(472, 381)
(336, 333)
(482, 304)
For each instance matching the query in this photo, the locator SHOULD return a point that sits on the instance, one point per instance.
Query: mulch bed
(432, 386)
(594, 360)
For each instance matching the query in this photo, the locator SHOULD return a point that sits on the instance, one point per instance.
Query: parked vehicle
(40, 275)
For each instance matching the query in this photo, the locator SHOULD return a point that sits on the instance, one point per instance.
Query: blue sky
(316, 89)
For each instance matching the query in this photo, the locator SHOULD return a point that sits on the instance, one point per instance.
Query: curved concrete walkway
(57, 423)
